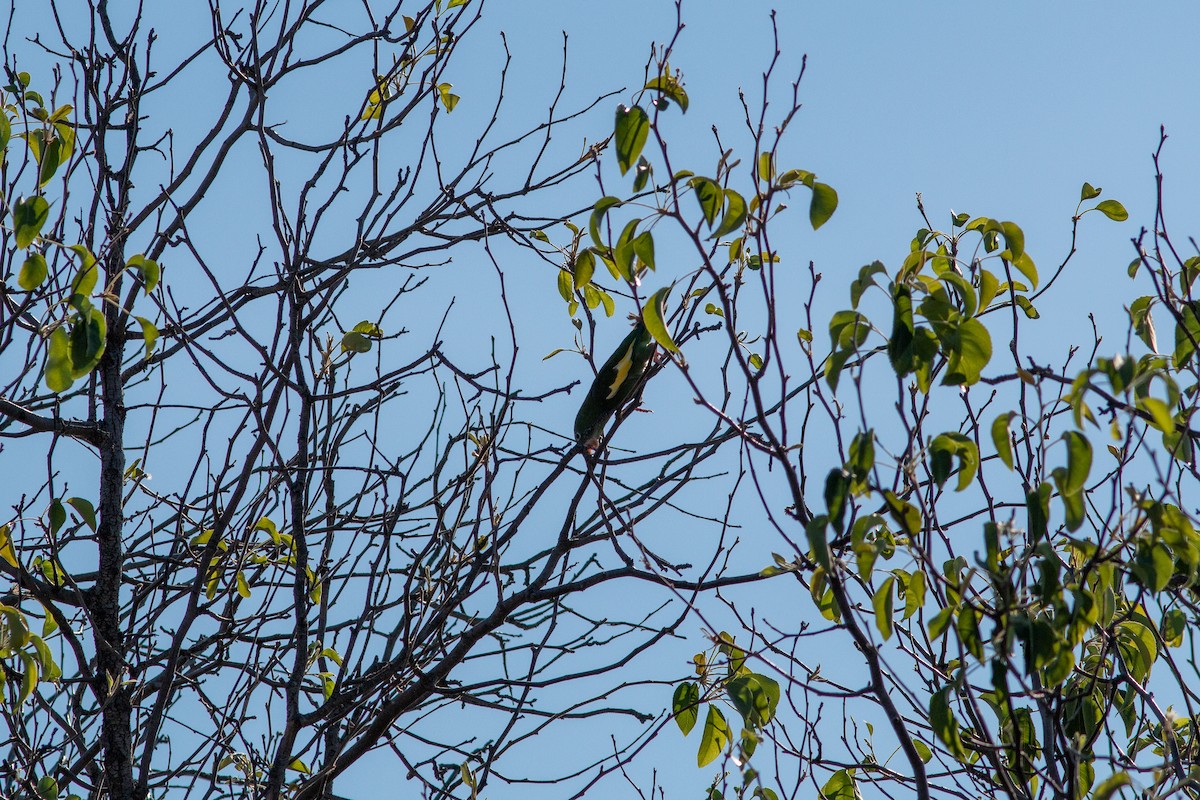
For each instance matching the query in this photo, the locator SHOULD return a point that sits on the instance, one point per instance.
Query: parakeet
(616, 383)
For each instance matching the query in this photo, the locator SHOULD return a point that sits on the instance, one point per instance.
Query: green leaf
(598, 211)
(1026, 267)
(1079, 461)
(1113, 783)
(949, 446)
(47, 788)
(710, 196)
(840, 786)
(883, 601)
(88, 337)
(85, 509)
(630, 132)
(57, 515)
(865, 279)
(964, 290)
(755, 697)
(653, 315)
(1027, 307)
(643, 247)
(624, 252)
(837, 489)
(906, 514)
(585, 267)
(149, 334)
(815, 530)
(1000, 438)
(449, 99)
(824, 203)
(52, 153)
(642, 175)
(1014, 237)
(945, 726)
(671, 88)
(914, 594)
(148, 269)
(1088, 192)
(968, 631)
(988, 284)
(29, 680)
(685, 705)
(766, 166)
(33, 271)
(970, 348)
(565, 285)
(794, 176)
(29, 215)
(714, 738)
(355, 342)
(58, 361)
(735, 214)
(7, 551)
(1113, 210)
(299, 766)
(86, 277)
(1160, 413)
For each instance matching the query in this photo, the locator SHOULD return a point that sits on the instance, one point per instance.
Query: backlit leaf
(685, 705)
(714, 738)
(824, 203)
(29, 215)
(33, 271)
(653, 315)
(630, 132)
(1113, 210)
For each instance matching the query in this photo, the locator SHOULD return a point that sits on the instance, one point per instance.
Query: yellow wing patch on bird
(623, 367)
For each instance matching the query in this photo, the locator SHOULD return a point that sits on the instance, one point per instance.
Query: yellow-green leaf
(653, 316)
(714, 737)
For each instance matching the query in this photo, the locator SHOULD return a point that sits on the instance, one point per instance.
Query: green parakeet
(616, 383)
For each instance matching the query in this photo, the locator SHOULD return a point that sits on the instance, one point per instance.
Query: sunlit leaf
(653, 315)
(883, 603)
(824, 203)
(755, 697)
(29, 215)
(685, 705)
(629, 135)
(149, 334)
(33, 271)
(58, 361)
(85, 509)
(840, 786)
(598, 211)
(148, 269)
(89, 335)
(735, 214)
(1001, 440)
(1113, 210)
(944, 724)
(714, 737)
(671, 88)
(710, 196)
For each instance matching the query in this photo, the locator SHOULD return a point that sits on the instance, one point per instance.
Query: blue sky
(1001, 111)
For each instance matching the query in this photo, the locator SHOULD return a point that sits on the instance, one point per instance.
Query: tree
(992, 529)
(278, 529)
(265, 530)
